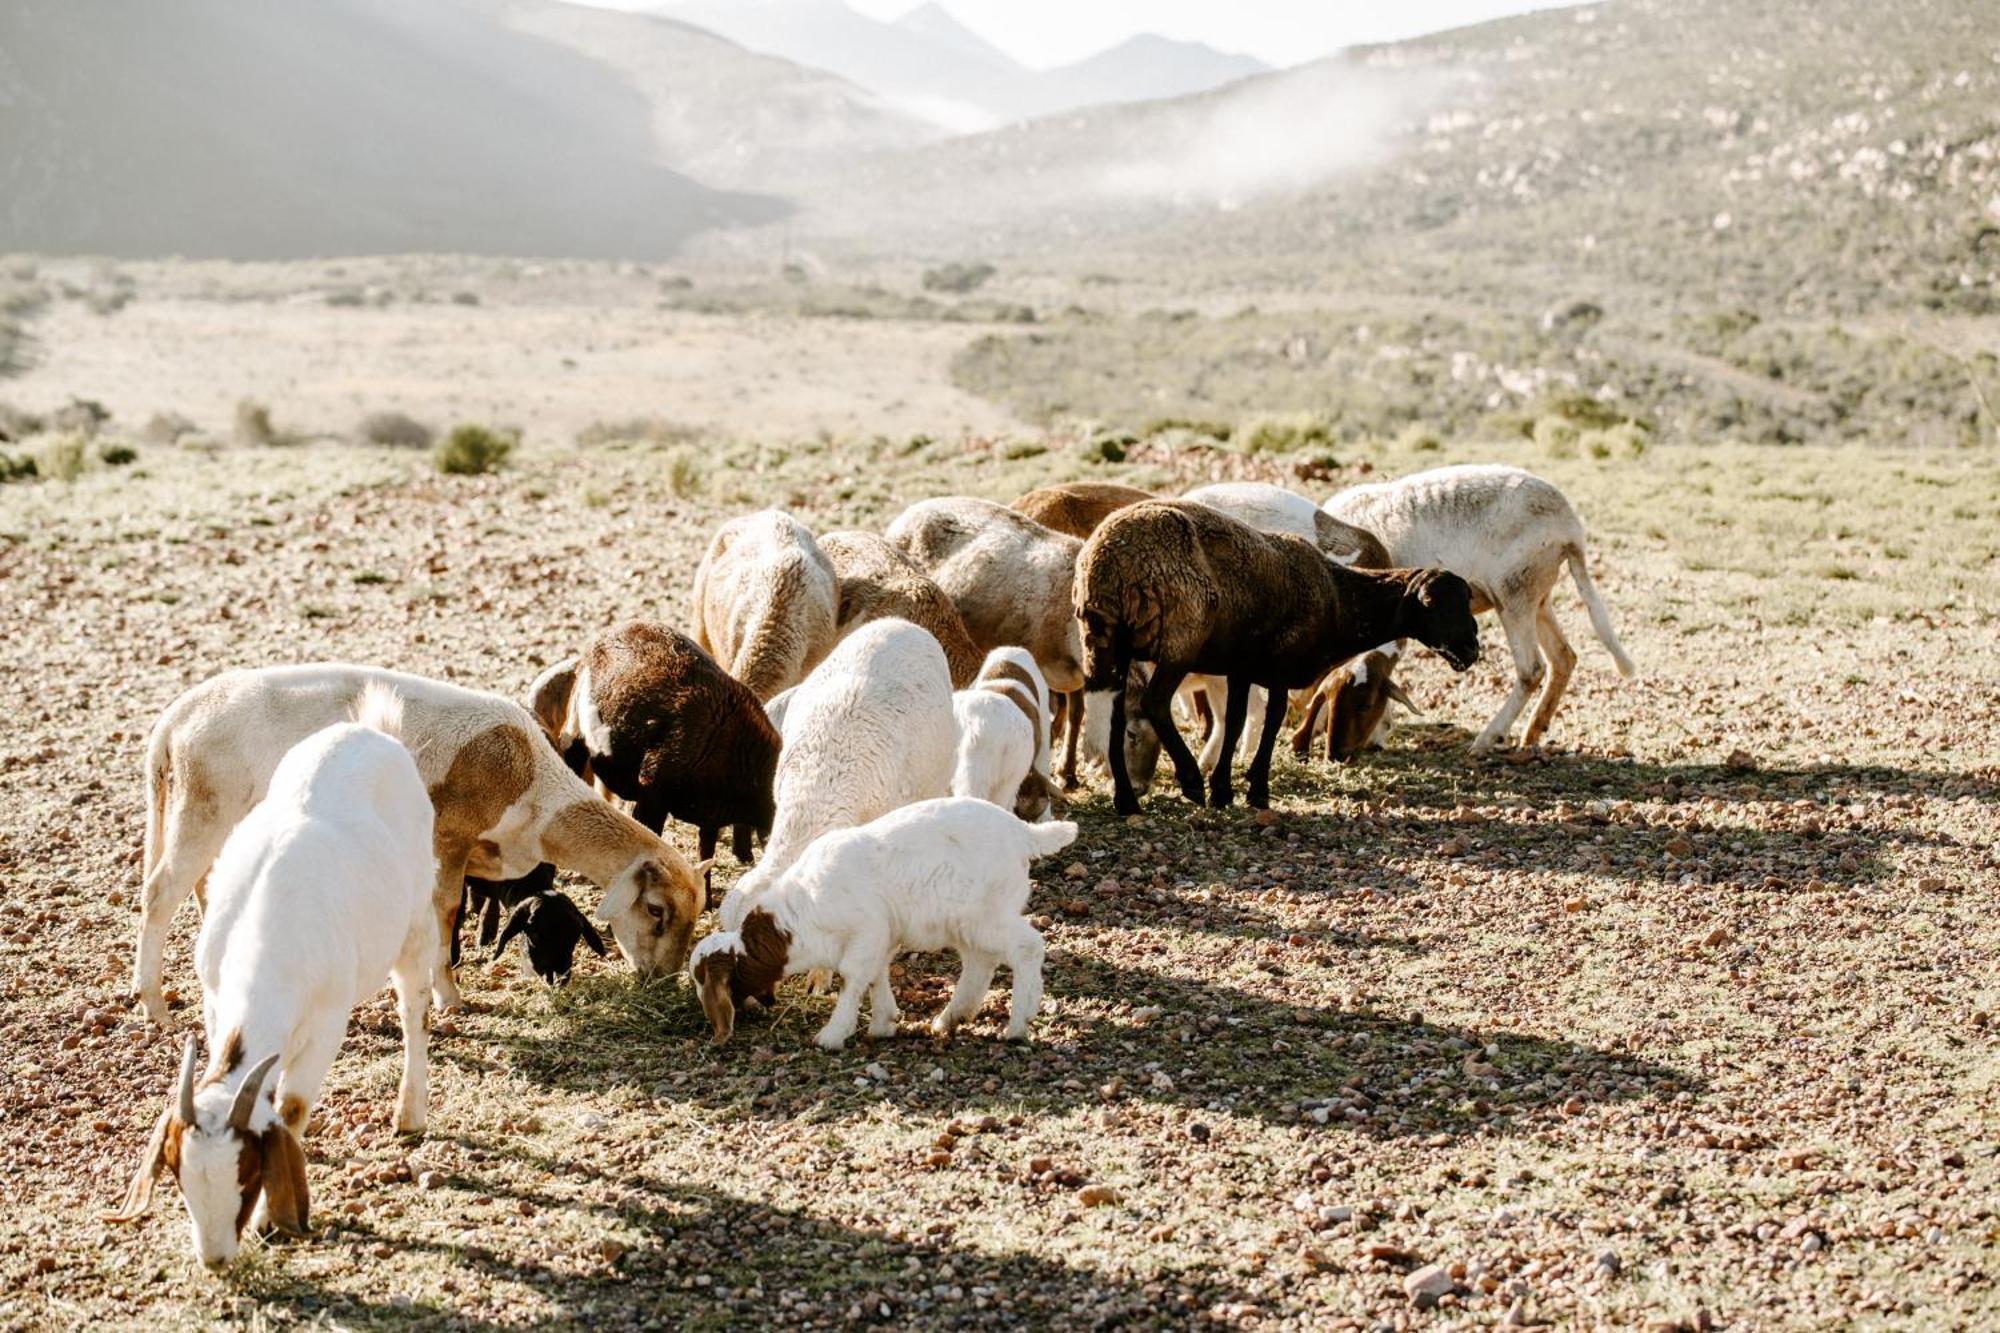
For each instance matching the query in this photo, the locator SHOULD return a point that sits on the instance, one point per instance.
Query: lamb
(1190, 589)
(870, 730)
(654, 720)
(323, 889)
(1010, 578)
(1357, 695)
(552, 926)
(765, 601)
(504, 803)
(1509, 534)
(878, 581)
(1003, 736)
(950, 873)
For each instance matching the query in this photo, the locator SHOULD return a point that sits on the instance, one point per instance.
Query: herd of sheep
(879, 712)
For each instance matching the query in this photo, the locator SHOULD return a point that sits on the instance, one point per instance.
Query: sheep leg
(1204, 714)
(883, 1014)
(705, 839)
(193, 839)
(1519, 622)
(1221, 790)
(1073, 719)
(1302, 739)
(858, 970)
(1157, 703)
(445, 899)
(412, 981)
(975, 978)
(1123, 799)
(1562, 661)
(1258, 797)
(1253, 722)
(1024, 959)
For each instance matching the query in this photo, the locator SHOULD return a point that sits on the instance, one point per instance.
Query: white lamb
(941, 874)
(870, 730)
(1509, 534)
(321, 891)
(1003, 736)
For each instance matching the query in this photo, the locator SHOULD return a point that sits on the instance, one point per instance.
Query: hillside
(286, 129)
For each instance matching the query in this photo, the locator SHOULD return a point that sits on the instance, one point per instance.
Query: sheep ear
(590, 935)
(516, 923)
(1402, 696)
(619, 898)
(703, 867)
(139, 1193)
(284, 1179)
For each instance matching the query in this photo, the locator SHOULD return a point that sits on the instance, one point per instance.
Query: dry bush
(397, 430)
(472, 450)
(639, 430)
(255, 427)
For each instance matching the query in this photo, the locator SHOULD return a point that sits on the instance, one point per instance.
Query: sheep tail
(1600, 619)
(1044, 839)
(380, 708)
(159, 774)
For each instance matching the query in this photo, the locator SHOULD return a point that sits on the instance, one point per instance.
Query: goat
(765, 601)
(1190, 589)
(655, 721)
(1508, 534)
(504, 803)
(950, 873)
(878, 581)
(1357, 696)
(1010, 578)
(322, 890)
(1003, 736)
(870, 730)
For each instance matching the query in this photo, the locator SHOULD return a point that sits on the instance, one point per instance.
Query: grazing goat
(504, 803)
(941, 874)
(877, 581)
(870, 730)
(1010, 578)
(1003, 736)
(1508, 534)
(552, 926)
(322, 890)
(765, 601)
(1357, 696)
(1190, 589)
(656, 722)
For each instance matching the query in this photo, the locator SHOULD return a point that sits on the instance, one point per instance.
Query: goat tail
(1600, 619)
(1047, 838)
(159, 775)
(380, 708)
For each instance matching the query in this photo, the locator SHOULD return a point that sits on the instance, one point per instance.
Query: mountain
(931, 65)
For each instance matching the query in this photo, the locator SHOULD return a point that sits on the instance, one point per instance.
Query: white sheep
(1003, 736)
(321, 891)
(1509, 534)
(766, 601)
(941, 874)
(503, 798)
(870, 730)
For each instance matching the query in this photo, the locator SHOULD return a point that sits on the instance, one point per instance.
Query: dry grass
(1729, 1025)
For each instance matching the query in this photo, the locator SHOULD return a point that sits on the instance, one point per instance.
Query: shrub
(396, 430)
(957, 278)
(472, 450)
(347, 298)
(82, 415)
(113, 454)
(63, 458)
(1020, 449)
(683, 473)
(1284, 434)
(1558, 436)
(1419, 438)
(166, 428)
(465, 298)
(1214, 430)
(638, 430)
(254, 426)
(18, 467)
(16, 424)
(1107, 448)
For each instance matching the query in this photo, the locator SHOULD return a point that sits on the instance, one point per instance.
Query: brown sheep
(1077, 507)
(1189, 589)
(879, 582)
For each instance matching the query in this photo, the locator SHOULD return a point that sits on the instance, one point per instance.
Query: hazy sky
(1280, 32)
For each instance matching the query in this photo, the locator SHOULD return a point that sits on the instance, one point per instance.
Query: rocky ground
(1686, 1021)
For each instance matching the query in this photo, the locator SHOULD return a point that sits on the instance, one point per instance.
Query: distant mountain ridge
(932, 65)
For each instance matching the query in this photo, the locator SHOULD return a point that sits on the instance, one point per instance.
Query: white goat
(941, 874)
(320, 892)
(1509, 534)
(1003, 736)
(503, 798)
(870, 730)
(766, 601)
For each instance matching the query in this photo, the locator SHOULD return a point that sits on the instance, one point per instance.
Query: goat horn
(246, 1095)
(184, 1099)
(1402, 697)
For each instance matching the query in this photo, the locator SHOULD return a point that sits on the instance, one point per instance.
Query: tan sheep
(766, 601)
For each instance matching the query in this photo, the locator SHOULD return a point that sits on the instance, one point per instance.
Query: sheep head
(553, 926)
(224, 1150)
(651, 908)
(1436, 611)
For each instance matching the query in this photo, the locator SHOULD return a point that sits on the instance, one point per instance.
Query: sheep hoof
(1258, 798)
(1126, 805)
(1219, 796)
(943, 1026)
(830, 1041)
(1192, 793)
(882, 1029)
(411, 1124)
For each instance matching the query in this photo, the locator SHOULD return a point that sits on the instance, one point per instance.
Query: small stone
(1160, 1081)
(1075, 870)
(937, 1159)
(1716, 938)
(1427, 1285)
(1040, 1166)
(875, 1070)
(1740, 759)
(1198, 1132)
(1609, 1261)
(1680, 848)
(431, 1180)
(1930, 884)
(609, 1250)
(1265, 819)
(1575, 904)
(1096, 1196)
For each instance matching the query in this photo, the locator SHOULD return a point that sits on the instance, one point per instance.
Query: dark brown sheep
(1189, 589)
(658, 723)
(877, 581)
(1077, 507)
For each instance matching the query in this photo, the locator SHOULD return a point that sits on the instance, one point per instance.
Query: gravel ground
(1686, 1021)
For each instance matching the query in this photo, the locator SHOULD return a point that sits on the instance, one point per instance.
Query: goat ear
(1402, 696)
(516, 923)
(139, 1193)
(590, 935)
(619, 898)
(489, 919)
(713, 988)
(703, 867)
(284, 1179)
